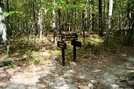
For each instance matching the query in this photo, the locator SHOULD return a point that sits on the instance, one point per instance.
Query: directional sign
(76, 43)
(69, 37)
(61, 44)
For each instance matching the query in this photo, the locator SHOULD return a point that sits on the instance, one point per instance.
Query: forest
(66, 44)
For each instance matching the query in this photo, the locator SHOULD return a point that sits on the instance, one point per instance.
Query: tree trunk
(2, 22)
(109, 21)
(54, 22)
(91, 16)
(7, 19)
(100, 18)
(59, 21)
(129, 14)
(130, 18)
(40, 21)
(130, 34)
(83, 23)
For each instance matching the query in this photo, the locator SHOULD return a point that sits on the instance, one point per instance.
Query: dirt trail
(103, 71)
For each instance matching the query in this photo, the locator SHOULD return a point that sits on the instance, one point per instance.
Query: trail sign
(61, 44)
(76, 43)
(69, 37)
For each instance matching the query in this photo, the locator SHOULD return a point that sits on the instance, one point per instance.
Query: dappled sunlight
(66, 44)
(44, 69)
(96, 71)
(114, 86)
(51, 74)
(131, 59)
(96, 38)
(131, 71)
(45, 53)
(55, 52)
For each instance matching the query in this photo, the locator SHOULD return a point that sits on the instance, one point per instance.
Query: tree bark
(83, 23)
(54, 22)
(91, 16)
(100, 18)
(40, 20)
(2, 22)
(130, 34)
(130, 18)
(109, 21)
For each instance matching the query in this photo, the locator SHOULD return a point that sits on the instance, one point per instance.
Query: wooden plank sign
(69, 37)
(76, 43)
(61, 44)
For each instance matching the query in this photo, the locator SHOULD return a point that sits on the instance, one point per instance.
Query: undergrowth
(96, 44)
(31, 50)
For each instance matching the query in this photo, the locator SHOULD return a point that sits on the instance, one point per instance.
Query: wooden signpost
(75, 44)
(61, 44)
(68, 37)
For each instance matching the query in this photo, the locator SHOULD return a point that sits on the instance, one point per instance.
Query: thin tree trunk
(2, 22)
(100, 18)
(83, 23)
(120, 17)
(40, 20)
(54, 22)
(130, 18)
(109, 21)
(130, 35)
(7, 18)
(35, 26)
(59, 20)
(3, 26)
(129, 14)
(91, 16)
(45, 21)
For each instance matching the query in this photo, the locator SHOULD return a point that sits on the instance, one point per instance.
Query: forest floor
(93, 69)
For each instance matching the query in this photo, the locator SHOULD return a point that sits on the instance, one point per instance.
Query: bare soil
(93, 70)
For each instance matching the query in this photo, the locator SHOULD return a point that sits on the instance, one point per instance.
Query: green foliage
(98, 46)
(24, 15)
(95, 43)
(85, 54)
(55, 52)
(28, 52)
(69, 53)
(36, 59)
(120, 39)
(33, 55)
(112, 46)
(12, 12)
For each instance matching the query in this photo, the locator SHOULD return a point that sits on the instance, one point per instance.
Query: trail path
(103, 72)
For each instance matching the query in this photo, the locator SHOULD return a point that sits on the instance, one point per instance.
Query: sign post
(75, 44)
(63, 57)
(68, 37)
(62, 45)
(74, 51)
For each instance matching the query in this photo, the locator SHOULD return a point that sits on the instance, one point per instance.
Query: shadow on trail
(52, 75)
(88, 73)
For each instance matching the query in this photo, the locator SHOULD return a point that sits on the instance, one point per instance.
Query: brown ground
(83, 74)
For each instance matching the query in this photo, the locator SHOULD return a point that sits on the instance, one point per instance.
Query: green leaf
(12, 12)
